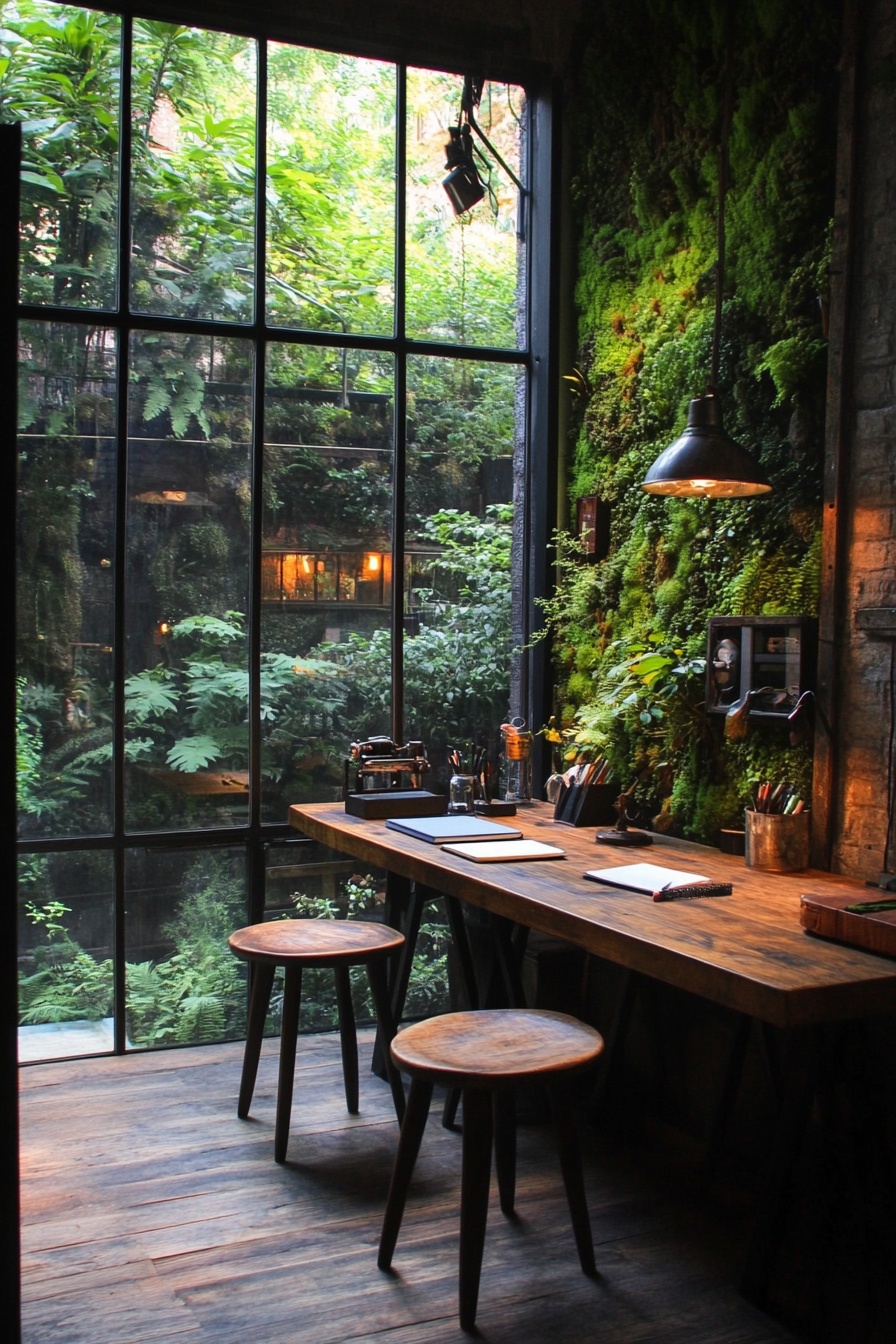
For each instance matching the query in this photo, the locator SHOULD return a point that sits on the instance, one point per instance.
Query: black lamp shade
(704, 462)
(464, 188)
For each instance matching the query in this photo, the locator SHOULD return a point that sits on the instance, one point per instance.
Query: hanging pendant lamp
(704, 462)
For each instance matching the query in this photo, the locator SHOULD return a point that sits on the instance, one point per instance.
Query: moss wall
(646, 115)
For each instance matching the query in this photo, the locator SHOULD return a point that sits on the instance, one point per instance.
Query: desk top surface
(746, 951)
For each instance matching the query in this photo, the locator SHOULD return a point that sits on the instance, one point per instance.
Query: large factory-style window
(275, 404)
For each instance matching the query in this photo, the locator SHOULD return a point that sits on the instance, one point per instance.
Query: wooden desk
(746, 951)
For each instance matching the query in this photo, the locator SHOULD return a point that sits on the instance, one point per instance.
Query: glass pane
(186, 726)
(66, 992)
(330, 191)
(193, 202)
(184, 985)
(62, 83)
(326, 566)
(464, 420)
(465, 273)
(304, 880)
(64, 586)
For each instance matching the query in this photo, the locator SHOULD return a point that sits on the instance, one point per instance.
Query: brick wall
(865, 669)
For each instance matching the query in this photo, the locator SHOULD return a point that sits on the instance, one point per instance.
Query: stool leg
(571, 1166)
(449, 1110)
(505, 1148)
(376, 972)
(262, 984)
(289, 1030)
(412, 1129)
(348, 1038)
(477, 1162)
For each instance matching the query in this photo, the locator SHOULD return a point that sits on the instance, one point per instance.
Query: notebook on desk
(664, 884)
(505, 851)
(441, 830)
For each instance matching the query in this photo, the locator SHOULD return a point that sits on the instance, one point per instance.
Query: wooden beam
(837, 445)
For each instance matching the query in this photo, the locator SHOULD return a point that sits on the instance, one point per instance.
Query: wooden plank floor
(152, 1213)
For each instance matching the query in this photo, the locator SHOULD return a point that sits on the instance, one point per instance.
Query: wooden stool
(293, 944)
(487, 1053)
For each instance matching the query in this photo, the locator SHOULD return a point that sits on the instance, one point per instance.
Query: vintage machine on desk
(772, 657)
(383, 779)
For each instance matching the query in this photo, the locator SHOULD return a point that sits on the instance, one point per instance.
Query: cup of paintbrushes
(775, 841)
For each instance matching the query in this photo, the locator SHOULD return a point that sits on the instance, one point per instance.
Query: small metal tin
(776, 843)
(733, 842)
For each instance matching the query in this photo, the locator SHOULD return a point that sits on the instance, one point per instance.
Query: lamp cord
(723, 192)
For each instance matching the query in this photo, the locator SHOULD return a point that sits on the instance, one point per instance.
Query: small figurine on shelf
(620, 835)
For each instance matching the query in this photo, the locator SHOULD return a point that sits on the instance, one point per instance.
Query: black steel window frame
(537, 356)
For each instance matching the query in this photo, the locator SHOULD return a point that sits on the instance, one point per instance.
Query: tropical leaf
(149, 695)
(193, 753)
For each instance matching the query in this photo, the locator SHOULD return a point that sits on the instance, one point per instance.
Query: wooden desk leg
(395, 909)
(462, 948)
(801, 1074)
(734, 1067)
(468, 977)
(379, 991)
(402, 970)
(773, 1060)
(510, 948)
(614, 1038)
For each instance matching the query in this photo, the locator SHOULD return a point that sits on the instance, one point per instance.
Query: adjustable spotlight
(463, 184)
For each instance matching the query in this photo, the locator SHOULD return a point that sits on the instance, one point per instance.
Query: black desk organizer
(587, 805)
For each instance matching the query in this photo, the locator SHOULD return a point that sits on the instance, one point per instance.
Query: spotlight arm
(485, 140)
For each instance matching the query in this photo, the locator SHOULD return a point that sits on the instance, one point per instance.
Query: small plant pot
(776, 843)
(732, 842)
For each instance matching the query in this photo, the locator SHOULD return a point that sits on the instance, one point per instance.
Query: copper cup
(776, 843)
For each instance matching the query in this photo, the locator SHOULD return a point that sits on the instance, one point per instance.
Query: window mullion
(399, 464)
(256, 861)
(121, 505)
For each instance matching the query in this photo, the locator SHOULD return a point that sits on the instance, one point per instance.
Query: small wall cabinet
(745, 653)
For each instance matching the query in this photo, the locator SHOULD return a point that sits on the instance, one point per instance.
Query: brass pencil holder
(776, 843)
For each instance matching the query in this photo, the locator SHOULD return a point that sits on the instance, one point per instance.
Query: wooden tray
(827, 916)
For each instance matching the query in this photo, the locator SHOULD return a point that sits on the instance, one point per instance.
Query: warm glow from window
(373, 562)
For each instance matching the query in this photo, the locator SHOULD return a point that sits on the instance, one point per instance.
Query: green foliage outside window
(197, 993)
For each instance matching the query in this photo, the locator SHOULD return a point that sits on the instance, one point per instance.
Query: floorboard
(150, 1212)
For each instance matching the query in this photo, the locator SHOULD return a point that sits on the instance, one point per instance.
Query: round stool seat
(495, 1048)
(324, 942)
